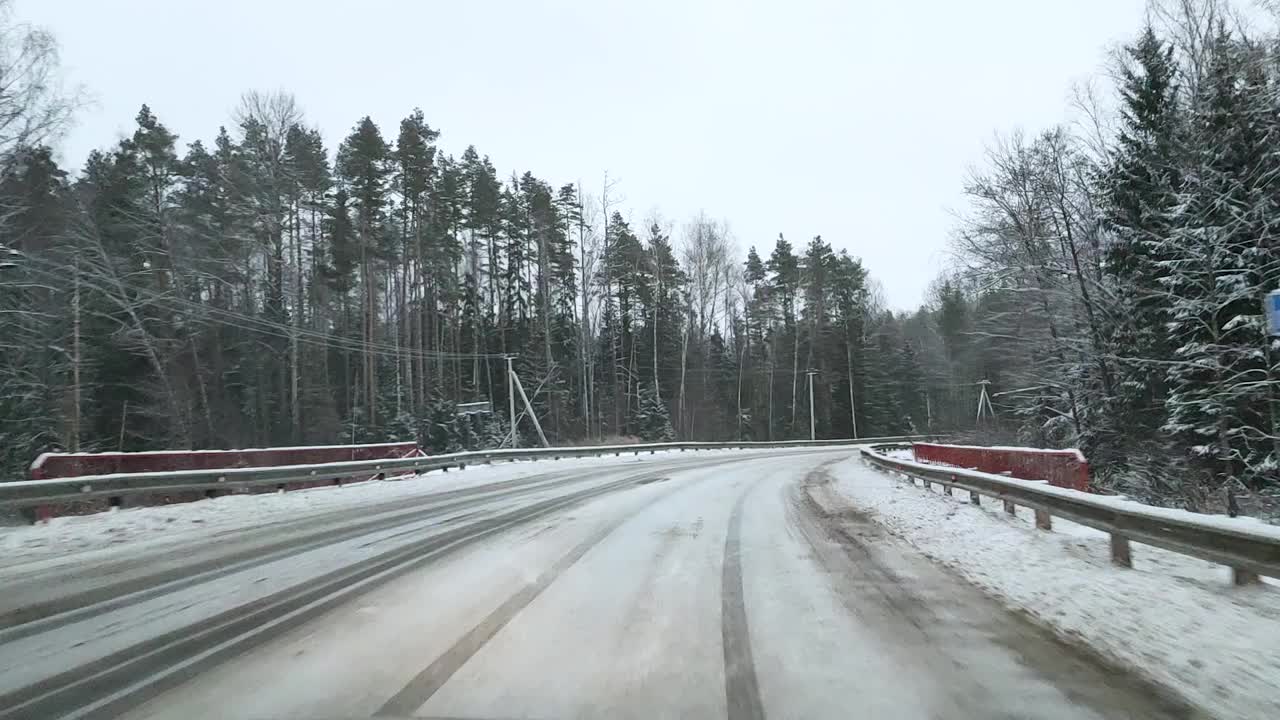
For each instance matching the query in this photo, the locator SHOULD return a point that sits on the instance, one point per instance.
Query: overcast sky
(851, 119)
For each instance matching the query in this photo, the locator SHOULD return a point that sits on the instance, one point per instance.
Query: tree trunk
(295, 393)
(795, 371)
(657, 391)
(853, 410)
(741, 362)
(74, 443)
(684, 364)
(370, 376)
(204, 390)
(770, 359)
(405, 332)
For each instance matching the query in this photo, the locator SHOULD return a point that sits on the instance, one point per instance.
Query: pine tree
(414, 180)
(1219, 260)
(953, 325)
(363, 163)
(882, 407)
(1140, 190)
(252, 290)
(910, 390)
(650, 419)
(849, 294)
(42, 395)
(784, 268)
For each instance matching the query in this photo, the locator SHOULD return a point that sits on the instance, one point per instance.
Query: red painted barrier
(1061, 468)
(62, 465)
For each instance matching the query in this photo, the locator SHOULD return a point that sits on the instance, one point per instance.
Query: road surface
(697, 585)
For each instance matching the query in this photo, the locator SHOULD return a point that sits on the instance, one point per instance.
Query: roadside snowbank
(1173, 618)
(185, 524)
(900, 453)
(206, 520)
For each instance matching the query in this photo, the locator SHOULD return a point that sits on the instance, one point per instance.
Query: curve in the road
(816, 612)
(107, 685)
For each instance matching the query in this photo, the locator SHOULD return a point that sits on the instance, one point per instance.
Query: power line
(272, 328)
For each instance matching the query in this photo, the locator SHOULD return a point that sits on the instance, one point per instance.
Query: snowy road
(701, 585)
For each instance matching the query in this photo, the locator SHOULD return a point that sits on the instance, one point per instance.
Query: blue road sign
(1271, 308)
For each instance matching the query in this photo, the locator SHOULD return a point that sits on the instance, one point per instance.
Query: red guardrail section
(1061, 468)
(62, 465)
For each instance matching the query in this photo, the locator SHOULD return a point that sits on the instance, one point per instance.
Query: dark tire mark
(23, 622)
(109, 685)
(419, 690)
(106, 687)
(741, 689)
(422, 687)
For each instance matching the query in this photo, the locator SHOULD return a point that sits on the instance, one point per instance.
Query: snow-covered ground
(195, 521)
(1175, 619)
(709, 584)
(205, 520)
(713, 592)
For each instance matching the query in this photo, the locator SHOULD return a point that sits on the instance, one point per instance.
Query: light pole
(511, 400)
(813, 430)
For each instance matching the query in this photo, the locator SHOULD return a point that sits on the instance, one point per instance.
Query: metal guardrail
(30, 493)
(1249, 554)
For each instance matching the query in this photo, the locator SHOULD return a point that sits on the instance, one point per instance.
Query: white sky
(852, 119)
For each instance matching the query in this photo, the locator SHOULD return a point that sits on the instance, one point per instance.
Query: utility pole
(984, 403)
(813, 429)
(528, 408)
(511, 400)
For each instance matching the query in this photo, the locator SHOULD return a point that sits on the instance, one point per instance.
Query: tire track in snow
(741, 689)
(30, 619)
(109, 685)
(427, 683)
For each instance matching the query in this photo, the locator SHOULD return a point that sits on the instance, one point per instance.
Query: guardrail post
(1120, 554)
(973, 498)
(1044, 520)
(1244, 577)
(1010, 508)
(946, 489)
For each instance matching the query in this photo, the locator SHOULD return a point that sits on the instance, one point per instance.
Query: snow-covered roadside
(204, 520)
(1175, 619)
(188, 524)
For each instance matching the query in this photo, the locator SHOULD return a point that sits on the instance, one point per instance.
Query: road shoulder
(1175, 623)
